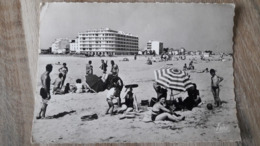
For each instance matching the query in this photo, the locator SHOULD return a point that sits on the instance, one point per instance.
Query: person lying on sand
(161, 113)
(129, 105)
(110, 96)
(205, 70)
(57, 84)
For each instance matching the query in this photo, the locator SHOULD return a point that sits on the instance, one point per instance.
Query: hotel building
(105, 42)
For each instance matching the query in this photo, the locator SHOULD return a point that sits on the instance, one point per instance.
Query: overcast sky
(192, 26)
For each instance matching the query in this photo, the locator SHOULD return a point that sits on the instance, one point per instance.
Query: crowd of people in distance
(163, 108)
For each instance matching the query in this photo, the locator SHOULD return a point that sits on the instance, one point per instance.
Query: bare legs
(110, 106)
(167, 116)
(42, 111)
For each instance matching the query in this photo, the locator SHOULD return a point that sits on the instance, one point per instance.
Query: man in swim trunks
(114, 68)
(89, 68)
(45, 91)
(110, 96)
(215, 80)
(64, 70)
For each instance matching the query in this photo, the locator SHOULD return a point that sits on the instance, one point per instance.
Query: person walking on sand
(114, 68)
(89, 68)
(64, 70)
(45, 91)
(57, 84)
(215, 80)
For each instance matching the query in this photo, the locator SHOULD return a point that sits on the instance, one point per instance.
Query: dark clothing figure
(104, 67)
(129, 100)
(192, 100)
(161, 92)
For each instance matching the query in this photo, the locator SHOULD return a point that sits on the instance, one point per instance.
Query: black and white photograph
(135, 73)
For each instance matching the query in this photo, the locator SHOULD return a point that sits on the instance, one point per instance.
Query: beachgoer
(103, 67)
(45, 91)
(114, 68)
(130, 102)
(110, 96)
(161, 113)
(185, 67)
(89, 68)
(57, 84)
(135, 56)
(215, 80)
(64, 70)
(118, 84)
(161, 92)
(149, 61)
(193, 98)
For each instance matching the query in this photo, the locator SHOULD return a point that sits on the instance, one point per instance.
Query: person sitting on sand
(215, 80)
(149, 61)
(161, 113)
(64, 70)
(57, 84)
(193, 98)
(80, 88)
(129, 105)
(110, 96)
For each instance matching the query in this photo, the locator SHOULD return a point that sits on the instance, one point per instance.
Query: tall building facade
(155, 46)
(107, 42)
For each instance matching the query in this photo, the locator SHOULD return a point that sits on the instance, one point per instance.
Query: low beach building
(105, 42)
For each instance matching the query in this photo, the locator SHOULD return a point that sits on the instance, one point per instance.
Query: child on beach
(215, 80)
(110, 96)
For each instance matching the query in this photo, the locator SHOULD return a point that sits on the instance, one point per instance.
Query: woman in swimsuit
(161, 113)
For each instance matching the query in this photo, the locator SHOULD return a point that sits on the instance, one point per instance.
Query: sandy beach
(201, 124)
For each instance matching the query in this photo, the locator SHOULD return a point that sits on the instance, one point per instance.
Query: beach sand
(201, 124)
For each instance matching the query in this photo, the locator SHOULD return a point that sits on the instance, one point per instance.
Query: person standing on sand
(89, 68)
(45, 91)
(57, 84)
(114, 68)
(110, 96)
(215, 80)
(103, 67)
(64, 70)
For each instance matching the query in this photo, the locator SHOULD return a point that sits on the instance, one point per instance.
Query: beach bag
(152, 102)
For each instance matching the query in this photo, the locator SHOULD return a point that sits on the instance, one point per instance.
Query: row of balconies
(108, 49)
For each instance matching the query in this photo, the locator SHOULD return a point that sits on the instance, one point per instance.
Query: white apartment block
(155, 46)
(74, 46)
(106, 42)
(60, 46)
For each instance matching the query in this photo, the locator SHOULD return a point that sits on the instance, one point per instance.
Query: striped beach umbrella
(173, 78)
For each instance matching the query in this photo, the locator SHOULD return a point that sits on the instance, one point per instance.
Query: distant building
(105, 42)
(60, 46)
(74, 46)
(155, 46)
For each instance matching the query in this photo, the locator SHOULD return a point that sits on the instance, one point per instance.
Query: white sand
(200, 124)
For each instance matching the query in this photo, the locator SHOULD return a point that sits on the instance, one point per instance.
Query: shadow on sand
(59, 115)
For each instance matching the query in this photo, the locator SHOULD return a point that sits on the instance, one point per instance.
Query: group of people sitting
(190, 67)
(165, 109)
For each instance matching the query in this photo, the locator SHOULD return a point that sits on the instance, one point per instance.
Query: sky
(192, 26)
